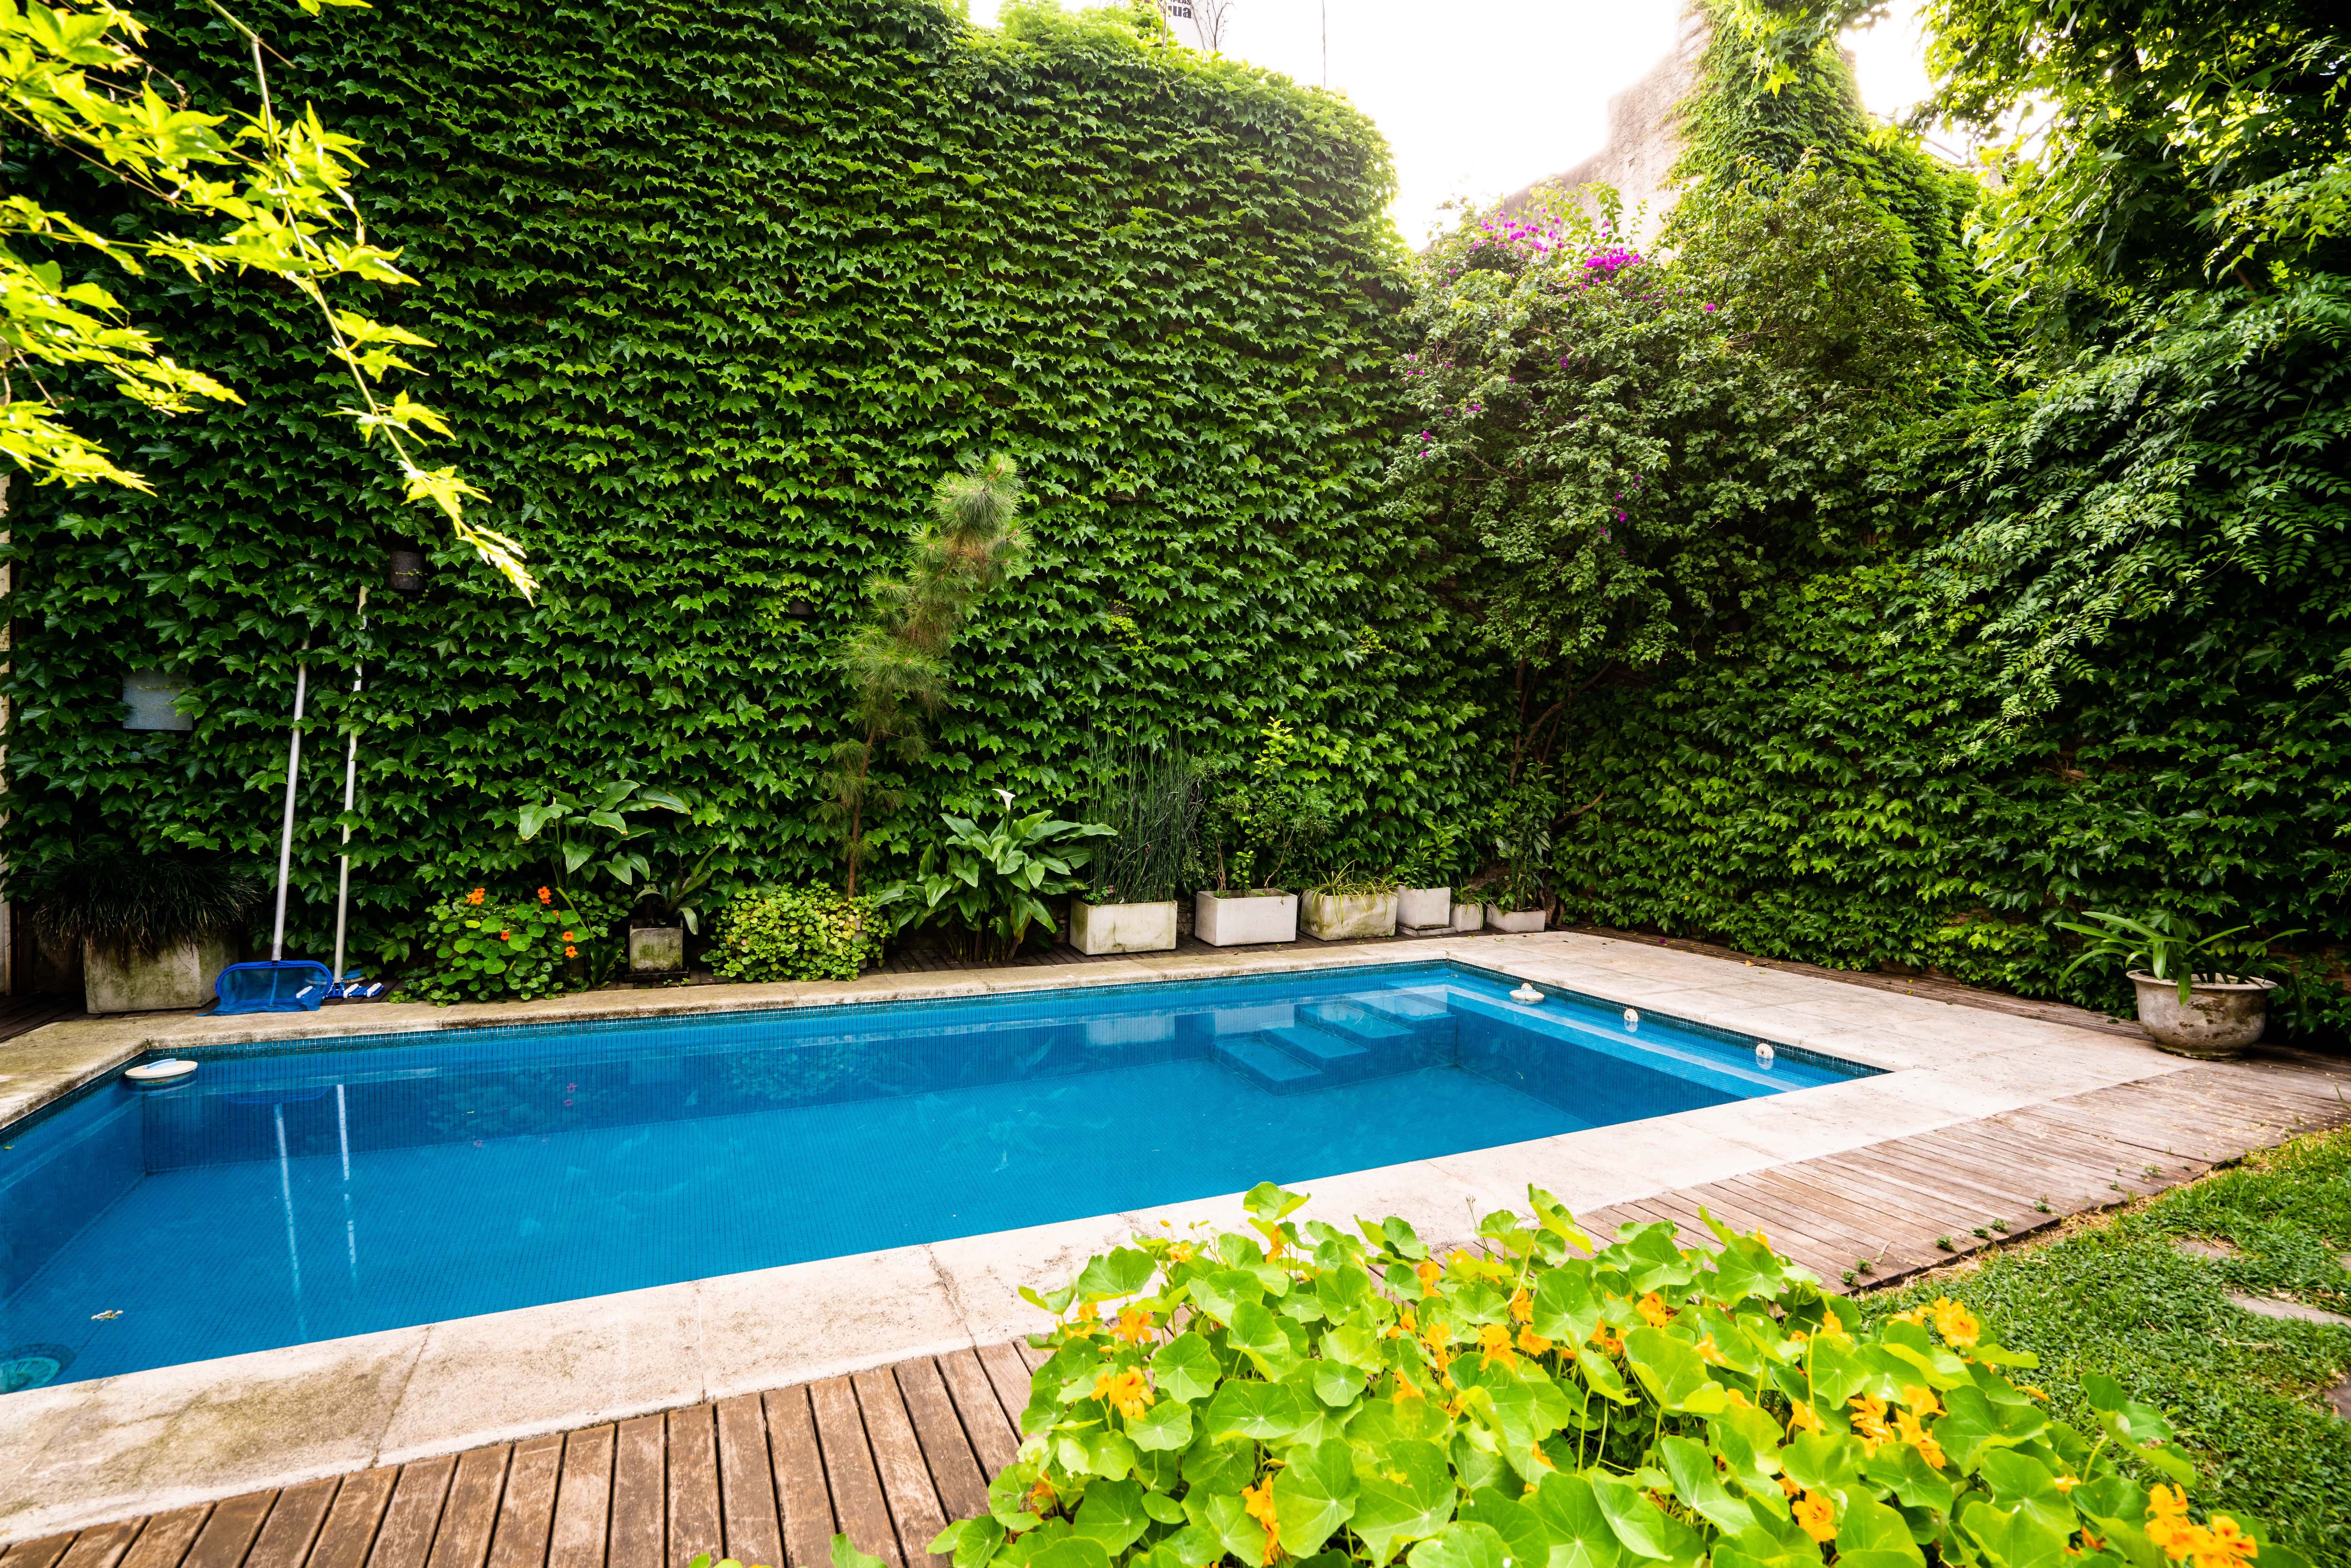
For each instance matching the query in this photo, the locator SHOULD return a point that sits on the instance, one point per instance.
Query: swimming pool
(303, 1191)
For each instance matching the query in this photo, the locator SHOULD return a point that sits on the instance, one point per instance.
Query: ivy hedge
(720, 291)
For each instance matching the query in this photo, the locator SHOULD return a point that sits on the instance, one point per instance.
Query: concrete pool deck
(136, 1443)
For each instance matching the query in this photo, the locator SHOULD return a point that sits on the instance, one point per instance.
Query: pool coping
(141, 1442)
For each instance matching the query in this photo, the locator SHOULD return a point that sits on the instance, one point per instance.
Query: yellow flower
(1125, 1392)
(2229, 1543)
(1654, 1311)
(1788, 1486)
(1916, 1316)
(1708, 1351)
(1532, 1343)
(1818, 1516)
(1545, 1461)
(1495, 1340)
(1427, 1270)
(1914, 1432)
(1180, 1253)
(1133, 1323)
(2066, 1483)
(1760, 1239)
(1041, 1496)
(1089, 1311)
(2035, 1390)
(1832, 1327)
(1803, 1418)
(2167, 1502)
(1869, 1420)
(1259, 1500)
(1522, 1306)
(1956, 1323)
(1404, 1388)
(1922, 1400)
(1605, 1340)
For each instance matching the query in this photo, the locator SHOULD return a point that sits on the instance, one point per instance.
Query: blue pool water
(340, 1187)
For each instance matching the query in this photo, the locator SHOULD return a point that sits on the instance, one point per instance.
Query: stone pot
(1469, 917)
(1242, 919)
(656, 949)
(1513, 919)
(1334, 916)
(1424, 908)
(1096, 928)
(2222, 1017)
(180, 976)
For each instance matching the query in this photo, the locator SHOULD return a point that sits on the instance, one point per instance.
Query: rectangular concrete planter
(656, 949)
(1422, 908)
(1240, 920)
(1331, 915)
(1514, 920)
(1469, 917)
(1098, 928)
(179, 977)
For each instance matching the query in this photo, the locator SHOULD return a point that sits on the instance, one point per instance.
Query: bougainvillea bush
(1298, 1393)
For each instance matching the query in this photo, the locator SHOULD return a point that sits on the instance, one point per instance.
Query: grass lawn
(2246, 1393)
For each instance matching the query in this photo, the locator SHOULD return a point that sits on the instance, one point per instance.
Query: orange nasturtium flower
(571, 952)
(476, 896)
(1532, 1343)
(1404, 1388)
(545, 896)
(1869, 1420)
(1132, 1323)
(1428, 1271)
(1125, 1392)
(1914, 1433)
(1522, 1306)
(1259, 1502)
(1818, 1516)
(1922, 1400)
(1495, 1340)
(1803, 1418)
(1955, 1322)
(2229, 1543)
(1605, 1340)
(1654, 1310)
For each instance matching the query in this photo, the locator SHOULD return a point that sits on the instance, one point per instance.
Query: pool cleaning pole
(285, 836)
(350, 788)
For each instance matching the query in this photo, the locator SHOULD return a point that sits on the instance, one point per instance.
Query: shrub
(144, 902)
(1302, 1392)
(512, 950)
(795, 933)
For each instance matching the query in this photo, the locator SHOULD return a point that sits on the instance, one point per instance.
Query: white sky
(1480, 97)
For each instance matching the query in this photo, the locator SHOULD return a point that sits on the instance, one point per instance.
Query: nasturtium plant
(478, 948)
(1299, 1392)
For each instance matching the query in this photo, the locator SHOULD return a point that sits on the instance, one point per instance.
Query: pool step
(1263, 1064)
(1407, 1005)
(1354, 1022)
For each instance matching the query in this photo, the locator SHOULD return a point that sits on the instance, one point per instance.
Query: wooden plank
(1901, 1209)
(746, 1485)
(898, 1458)
(167, 1538)
(583, 1500)
(1944, 1180)
(994, 1434)
(694, 1526)
(413, 1516)
(946, 1448)
(1030, 1356)
(44, 1553)
(527, 1512)
(285, 1539)
(472, 1510)
(849, 1466)
(1009, 1374)
(348, 1534)
(800, 1491)
(104, 1546)
(228, 1535)
(1852, 1236)
(41, 1553)
(639, 1534)
(1933, 1191)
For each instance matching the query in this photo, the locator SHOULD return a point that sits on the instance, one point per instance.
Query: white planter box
(1332, 916)
(178, 977)
(1420, 908)
(1096, 928)
(1516, 920)
(656, 949)
(1469, 917)
(1240, 919)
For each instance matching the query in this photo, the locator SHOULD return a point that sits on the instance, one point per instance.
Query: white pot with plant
(1346, 905)
(154, 931)
(2199, 995)
(1425, 886)
(1151, 798)
(1521, 822)
(1257, 830)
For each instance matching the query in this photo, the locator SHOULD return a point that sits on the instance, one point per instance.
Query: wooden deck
(888, 1456)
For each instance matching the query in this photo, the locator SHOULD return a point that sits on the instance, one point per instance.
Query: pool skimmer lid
(1525, 996)
(156, 1074)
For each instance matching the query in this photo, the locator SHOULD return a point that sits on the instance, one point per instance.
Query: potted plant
(2201, 995)
(1348, 905)
(992, 883)
(1522, 825)
(1425, 896)
(1258, 830)
(1151, 799)
(153, 931)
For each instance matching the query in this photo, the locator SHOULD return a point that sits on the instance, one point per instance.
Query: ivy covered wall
(720, 291)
